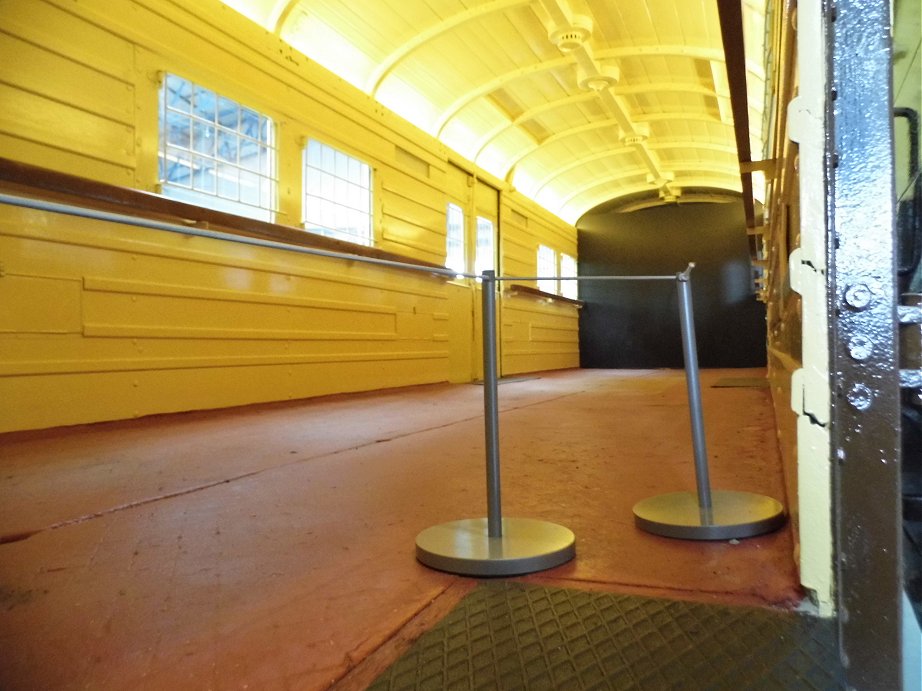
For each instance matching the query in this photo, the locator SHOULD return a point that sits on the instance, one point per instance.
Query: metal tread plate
(508, 635)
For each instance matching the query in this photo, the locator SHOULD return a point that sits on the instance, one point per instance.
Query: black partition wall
(635, 325)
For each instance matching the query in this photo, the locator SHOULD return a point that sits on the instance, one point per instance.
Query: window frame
(480, 252)
(455, 237)
(341, 177)
(569, 289)
(546, 263)
(231, 167)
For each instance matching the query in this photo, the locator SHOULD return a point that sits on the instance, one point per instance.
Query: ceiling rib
(528, 115)
(417, 41)
(730, 170)
(612, 106)
(482, 90)
(682, 117)
(669, 87)
(280, 14)
(578, 163)
(557, 136)
(702, 181)
(714, 175)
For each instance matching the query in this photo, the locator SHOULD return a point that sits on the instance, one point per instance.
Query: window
(569, 289)
(547, 266)
(215, 152)
(484, 258)
(454, 239)
(337, 195)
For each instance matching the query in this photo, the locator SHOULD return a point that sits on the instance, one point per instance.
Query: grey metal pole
(490, 405)
(690, 351)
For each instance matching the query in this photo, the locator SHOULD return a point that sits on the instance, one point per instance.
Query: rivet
(860, 348)
(858, 296)
(860, 397)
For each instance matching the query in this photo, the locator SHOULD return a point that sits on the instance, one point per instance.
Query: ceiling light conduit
(571, 34)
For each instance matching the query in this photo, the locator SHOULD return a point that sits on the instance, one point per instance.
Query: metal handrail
(126, 219)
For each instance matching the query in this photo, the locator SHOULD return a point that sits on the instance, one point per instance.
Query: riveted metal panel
(865, 376)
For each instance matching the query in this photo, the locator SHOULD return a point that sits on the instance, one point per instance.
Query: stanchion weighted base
(732, 515)
(464, 547)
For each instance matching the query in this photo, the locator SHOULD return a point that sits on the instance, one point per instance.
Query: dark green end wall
(629, 324)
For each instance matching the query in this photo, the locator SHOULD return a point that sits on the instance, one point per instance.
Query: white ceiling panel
(576, 102)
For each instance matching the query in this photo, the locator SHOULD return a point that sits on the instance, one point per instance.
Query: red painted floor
(272, 547)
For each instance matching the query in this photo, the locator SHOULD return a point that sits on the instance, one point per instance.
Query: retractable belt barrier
(498, 546)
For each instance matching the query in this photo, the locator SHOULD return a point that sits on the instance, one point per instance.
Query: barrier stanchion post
(705, 515)
(491, 405)
(693, 383)
(494, 546)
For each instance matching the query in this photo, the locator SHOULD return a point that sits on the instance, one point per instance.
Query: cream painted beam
(729, 182)
(558, 11)
(675, 87)
(681, 117)
(731, 168)
(730, 171)
(664, 87)
(527, 116)
(582, 161)
(280, 15)
(572, 212)
(557, 136)
(488, 87)
(427, 35)
(519, 73)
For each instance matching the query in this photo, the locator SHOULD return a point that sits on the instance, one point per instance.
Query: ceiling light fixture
(571, 36)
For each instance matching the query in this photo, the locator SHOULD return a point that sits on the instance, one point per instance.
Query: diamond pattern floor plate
(508, 635)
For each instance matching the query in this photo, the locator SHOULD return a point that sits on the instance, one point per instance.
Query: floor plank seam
(21, 535)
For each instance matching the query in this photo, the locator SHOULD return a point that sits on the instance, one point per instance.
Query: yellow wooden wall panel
(53, 157)
(58, 30)
(134, 287)
(41, 247)
(519, 363)
(411, 199)
(212, 309)
(36, 118)
(486, 200)
(413, 216)
(416, 237)
(32, 354)
(29, 67)
(121, 394)
(143, 316)
(148, 321)
(21, 296)
(457, 183)
(538, 335)
(519, 248)
(92, 364)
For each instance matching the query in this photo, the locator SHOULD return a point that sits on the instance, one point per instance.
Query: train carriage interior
(398, 344)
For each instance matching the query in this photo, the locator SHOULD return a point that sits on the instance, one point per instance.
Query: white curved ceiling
(575, 103)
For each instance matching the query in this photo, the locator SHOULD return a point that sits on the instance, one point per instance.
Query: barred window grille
(547, 266)
(569, 289)
(337, 195)
(454, 239)
(484, 258)
(215, 152)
